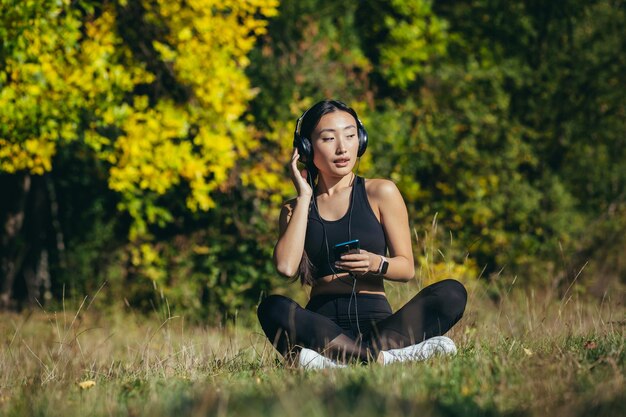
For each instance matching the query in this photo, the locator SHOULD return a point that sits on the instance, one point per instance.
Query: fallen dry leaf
(87, 384)
(590, 344)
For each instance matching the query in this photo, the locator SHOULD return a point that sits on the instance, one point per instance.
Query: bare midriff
(342, 284)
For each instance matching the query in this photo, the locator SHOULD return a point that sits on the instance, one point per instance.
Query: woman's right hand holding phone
(298, 177)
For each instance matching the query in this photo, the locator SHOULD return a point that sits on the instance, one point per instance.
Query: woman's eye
(327, 139)
(352, 136)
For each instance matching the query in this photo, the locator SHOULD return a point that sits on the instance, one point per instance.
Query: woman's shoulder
(380, 188)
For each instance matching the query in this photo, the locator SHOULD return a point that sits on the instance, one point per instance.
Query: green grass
(525, 356)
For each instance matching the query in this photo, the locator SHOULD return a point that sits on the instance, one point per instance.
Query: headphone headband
(299, 122)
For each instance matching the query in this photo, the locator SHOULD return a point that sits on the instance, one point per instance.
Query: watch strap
(384, 265)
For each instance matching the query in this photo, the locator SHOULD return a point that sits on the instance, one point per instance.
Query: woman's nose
(341, 146)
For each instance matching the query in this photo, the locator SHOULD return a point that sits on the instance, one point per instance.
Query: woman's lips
(342, 162)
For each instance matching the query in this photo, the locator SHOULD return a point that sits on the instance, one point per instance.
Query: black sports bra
(364, 226)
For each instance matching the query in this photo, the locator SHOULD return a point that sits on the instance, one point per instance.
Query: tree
(160, 102)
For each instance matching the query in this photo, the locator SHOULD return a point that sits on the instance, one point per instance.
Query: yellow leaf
(87, 384)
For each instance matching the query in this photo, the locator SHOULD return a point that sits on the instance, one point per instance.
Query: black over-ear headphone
(305, 148)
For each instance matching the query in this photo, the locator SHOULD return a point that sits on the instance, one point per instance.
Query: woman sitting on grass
(348, 315)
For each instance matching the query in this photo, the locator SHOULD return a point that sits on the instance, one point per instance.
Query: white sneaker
(438, 345)
(310, 359)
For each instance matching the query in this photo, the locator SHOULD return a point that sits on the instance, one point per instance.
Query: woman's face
(335, 143)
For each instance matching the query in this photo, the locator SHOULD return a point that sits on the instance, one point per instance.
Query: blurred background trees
(143, 143)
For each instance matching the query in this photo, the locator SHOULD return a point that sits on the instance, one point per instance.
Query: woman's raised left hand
(359, 263)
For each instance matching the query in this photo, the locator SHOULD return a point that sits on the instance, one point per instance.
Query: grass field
(526, 355)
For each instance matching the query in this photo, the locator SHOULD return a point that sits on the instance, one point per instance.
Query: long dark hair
(309, 121)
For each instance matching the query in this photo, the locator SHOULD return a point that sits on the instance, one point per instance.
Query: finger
(294, 166)
(295, 156)
(354, 257)
(353, 265)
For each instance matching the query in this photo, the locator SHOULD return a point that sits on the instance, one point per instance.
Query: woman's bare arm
(290, 245)
(292, 223)
(388, 201)
(395, 220)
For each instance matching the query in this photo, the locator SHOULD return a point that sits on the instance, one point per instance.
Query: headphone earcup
(362, 138)
(307, 151)
(304, 148)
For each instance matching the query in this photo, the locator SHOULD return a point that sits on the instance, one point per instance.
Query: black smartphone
(342, 248)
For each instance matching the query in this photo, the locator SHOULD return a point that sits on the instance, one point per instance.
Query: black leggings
(341, 324)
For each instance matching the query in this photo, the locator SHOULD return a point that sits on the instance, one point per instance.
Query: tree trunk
(15, 190)
(35, 231)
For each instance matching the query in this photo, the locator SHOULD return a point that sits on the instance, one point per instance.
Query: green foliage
(220, 272)
(311, 50)
(93, 92)
(153, 94)
(496, 140)
(92, 232)
(402, 37)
